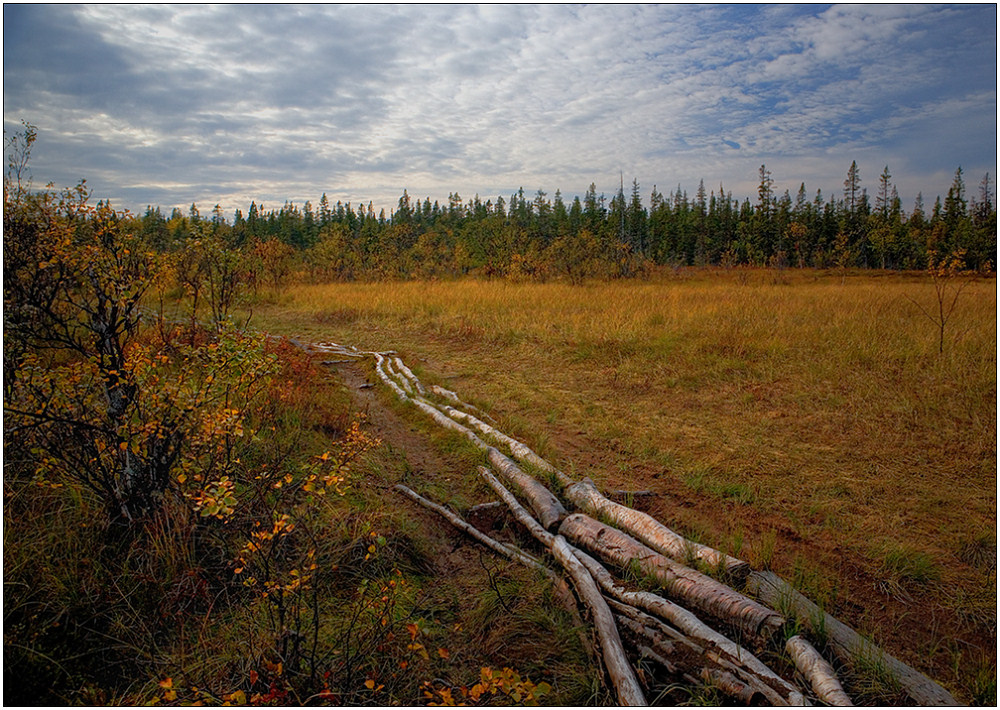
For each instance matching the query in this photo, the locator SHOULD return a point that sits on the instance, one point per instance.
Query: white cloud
(288, 102)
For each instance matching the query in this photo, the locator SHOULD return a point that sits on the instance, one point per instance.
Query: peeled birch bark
(615, 661)
(683, 583)
(650, 531)
(688, 624)
(845, 641)
(818, 672)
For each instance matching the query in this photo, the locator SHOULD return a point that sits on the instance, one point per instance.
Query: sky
(165, 106)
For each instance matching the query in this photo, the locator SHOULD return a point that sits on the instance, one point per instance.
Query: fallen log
(380, 371)
(620, 671)
(845, 641)
(520, 513)
(518, 450)
(649, 530)
(732, 686)
(615, 661)
(687, 623)
(690, 655)
(446, 393)
(817, 671)
(546, 506)
(683, 583)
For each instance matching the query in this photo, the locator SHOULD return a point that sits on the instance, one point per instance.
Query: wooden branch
(616, 662)
(520, 512)
(650, 531)
(817, 671)
(845, 641)
(683, 583)
(495, 545)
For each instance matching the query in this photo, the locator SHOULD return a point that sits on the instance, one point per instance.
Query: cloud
(175, 104)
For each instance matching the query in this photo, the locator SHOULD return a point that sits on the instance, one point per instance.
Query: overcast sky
(173, 105)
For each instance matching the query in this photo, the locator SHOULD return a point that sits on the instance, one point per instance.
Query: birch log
(518, 450)
(475, 533)
(690, 655)
(688, 624)
(546, 506)
(520, 513)
(683, 583)
(619, 669)
(408, 374)
(845, 641)
(817, 671)
(650, 531)
(732, 686)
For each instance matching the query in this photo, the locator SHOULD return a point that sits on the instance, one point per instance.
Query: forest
(538, 238)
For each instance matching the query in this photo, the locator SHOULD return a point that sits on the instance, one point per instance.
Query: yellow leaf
(369, 684)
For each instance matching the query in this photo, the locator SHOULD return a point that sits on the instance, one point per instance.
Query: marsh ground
(805, 420)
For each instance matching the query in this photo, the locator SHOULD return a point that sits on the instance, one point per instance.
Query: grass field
(804, 420)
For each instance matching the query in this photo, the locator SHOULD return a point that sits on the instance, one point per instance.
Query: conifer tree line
(539, 237)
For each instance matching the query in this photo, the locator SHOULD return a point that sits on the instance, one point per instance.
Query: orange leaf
(444, 652)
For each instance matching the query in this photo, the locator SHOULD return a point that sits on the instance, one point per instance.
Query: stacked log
(666, 630)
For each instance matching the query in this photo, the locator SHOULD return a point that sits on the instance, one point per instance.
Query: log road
(687, 629)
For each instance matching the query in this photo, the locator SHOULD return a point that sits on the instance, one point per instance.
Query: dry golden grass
(811, 404)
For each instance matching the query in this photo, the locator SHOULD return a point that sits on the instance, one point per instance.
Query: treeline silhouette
(602, 237)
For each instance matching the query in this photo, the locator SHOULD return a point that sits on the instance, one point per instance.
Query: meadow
(806, 420)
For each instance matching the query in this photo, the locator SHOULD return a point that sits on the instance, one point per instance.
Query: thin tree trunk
(683, 583)
(615, 661)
